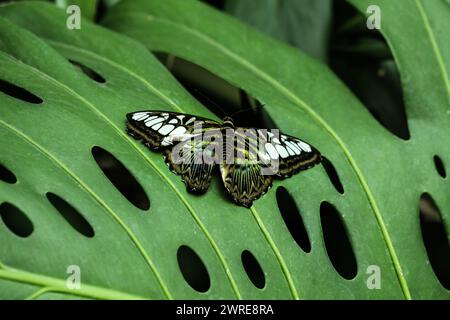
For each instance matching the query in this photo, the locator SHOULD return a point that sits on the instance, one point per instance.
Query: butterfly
(249, 158)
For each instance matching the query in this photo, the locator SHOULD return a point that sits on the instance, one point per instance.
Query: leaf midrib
(298, 101)
(58, 285)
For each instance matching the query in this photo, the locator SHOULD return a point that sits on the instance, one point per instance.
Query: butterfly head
(228, 122)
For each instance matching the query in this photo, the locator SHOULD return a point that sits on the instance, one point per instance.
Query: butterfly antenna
(248, 102)
(247, 109)
(204, 96)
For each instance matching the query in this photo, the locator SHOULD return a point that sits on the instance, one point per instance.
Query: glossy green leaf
(383, 176)
(133, 253)
(302, 23)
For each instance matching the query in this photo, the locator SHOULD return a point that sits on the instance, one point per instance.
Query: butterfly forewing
(292, 154)
(170, 130)
(161, 129)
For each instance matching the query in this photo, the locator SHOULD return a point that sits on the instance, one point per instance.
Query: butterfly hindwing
(194, 161)
(243, 177)
(160, 129)
(245, 181)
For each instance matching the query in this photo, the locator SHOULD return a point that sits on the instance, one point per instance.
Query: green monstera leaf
(304, 24)
(383, 176)
(63, 210)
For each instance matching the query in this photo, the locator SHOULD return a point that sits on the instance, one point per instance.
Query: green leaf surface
(133, 253)
(302, 23)
(383, 176)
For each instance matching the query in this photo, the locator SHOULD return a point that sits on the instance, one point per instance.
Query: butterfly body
(249, 159)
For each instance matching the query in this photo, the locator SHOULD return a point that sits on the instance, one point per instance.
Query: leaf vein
(299, 102)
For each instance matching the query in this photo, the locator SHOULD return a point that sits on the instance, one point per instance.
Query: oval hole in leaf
(88, 71)
(6, 175)
(253, 269)
(121, 178)
(333, 175)
(440, 166)
(19, 93)
(435, 239)
(292, 218)
(337, 243)
(71, 215)
(193, 269)
(16, 221)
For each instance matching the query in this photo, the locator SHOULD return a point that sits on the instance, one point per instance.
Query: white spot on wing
(282, 151)
(190, 120)
(149, 123)
(264, 156)
(157, 126)
(290, 150)
(305, 147)
(294, 147)
(138, 115)
(166, 129)
(151, 118)
(167, 141)
(275, 140)
(178, 131)
(141, 118)
(174, 121)
(271, 151)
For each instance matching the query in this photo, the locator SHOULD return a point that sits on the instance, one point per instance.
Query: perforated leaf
(51, 148)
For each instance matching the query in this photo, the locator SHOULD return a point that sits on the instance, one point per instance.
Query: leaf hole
(332, 175)
(16, 220)
(88, 71)
(193, 269)
(440, 168)
(217, 94)
(292, 218)
(121, 178)
(253, 269)
(337, 243)
(435, 239)
(71, 215)
(19, 93)
(6, 175)
(362, 59)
